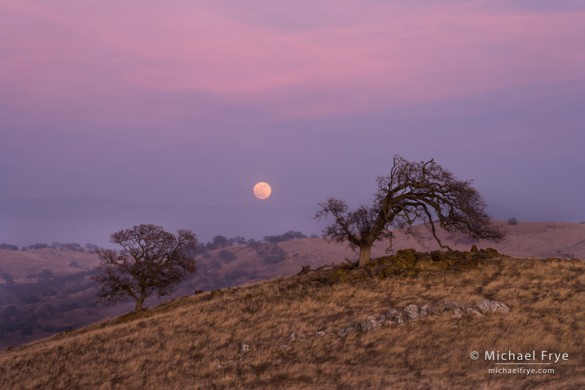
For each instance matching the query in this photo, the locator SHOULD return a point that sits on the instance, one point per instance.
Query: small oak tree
(151, 260)
(413, 193)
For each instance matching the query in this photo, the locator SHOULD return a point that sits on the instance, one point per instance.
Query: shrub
(253, 243)
(288, 236)
(45, 274)
(38, 246)
(220, 241)
(226, 255)
(238, 240)
(273, 259)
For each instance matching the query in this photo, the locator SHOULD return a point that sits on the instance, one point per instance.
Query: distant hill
(42, 303)
(24, 266)
(334, 329)
(524, 239)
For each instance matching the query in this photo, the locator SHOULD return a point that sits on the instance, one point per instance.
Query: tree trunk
(364, 255)
(139, 302)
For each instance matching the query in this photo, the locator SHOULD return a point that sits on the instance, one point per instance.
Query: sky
(170, 112)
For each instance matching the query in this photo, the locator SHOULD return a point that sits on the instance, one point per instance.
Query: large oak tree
(151, 260)
(413, 193)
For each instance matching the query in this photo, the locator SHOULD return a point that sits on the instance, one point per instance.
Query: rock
(412, 312)
(284, 347)
(471, 310)
(321, 333)
(292, 336)
(245, 348)
(369, 324)
(391, 317)
(345, 331)
(408, 255)
(438, 255)
(489, 253)
(451, 306)
(492, 307)
(425, 310)
(474, 249)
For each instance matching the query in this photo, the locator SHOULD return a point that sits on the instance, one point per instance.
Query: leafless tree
(151, 260)
(413, 193)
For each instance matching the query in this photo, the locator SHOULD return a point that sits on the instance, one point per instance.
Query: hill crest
(282, 333)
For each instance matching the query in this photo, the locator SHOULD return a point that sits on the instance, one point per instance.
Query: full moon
(262, 190)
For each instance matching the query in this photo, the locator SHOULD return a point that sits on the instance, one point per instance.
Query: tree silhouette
(151, 260)
(413, 193)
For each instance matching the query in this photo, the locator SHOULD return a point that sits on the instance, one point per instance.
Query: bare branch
(413, 193)
(151, 260)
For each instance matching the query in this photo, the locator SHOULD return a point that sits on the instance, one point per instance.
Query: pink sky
(363, 55)
(230, 92)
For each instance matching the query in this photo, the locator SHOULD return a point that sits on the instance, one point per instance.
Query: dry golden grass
(196, 342)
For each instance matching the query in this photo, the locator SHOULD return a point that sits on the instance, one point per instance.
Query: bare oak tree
(151, 260)
(413, 193)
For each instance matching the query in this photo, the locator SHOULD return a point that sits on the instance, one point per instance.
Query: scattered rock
(438, 256)
(490, 252)
(368, 324)
(492, 307)
(297, 337)
(451, 306)
(392, 317)
(409, 255)
(345, 331)
(425, 310)
(284, 347)
(412, 312)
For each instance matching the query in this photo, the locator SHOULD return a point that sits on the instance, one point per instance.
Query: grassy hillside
(38, 304)
(295, 332)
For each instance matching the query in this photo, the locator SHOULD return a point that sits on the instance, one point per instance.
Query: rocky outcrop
(369, 324)
(487, 307)
(414, 313)
(395, 317)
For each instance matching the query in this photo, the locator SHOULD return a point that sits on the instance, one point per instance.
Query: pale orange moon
(262, 190)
